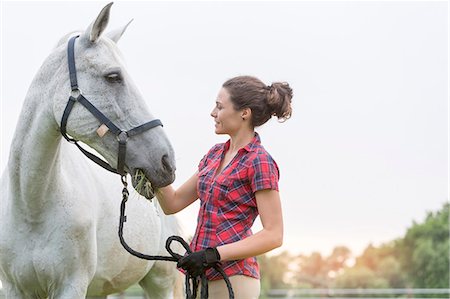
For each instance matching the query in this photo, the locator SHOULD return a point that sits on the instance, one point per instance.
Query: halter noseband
(121, 135)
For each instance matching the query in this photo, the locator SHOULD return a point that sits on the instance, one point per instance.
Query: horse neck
(35, 151)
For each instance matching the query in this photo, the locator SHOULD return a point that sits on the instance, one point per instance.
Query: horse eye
(113, 78)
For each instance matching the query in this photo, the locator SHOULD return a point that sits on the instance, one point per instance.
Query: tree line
(419, 259)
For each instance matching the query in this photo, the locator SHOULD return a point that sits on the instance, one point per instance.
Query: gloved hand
(198, 262)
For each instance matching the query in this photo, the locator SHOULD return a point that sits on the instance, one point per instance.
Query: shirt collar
(256, 141)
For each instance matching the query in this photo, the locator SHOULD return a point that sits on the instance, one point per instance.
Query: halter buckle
(75, 93)
(122, 137)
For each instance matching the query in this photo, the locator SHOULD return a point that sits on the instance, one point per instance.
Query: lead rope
(191, 282)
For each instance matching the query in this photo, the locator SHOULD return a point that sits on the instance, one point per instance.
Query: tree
(338, 258)
(312, 270)
(390, 269)
(420, 259)
(377, 267)
(360, 277)
(273, 270)
(425, 251)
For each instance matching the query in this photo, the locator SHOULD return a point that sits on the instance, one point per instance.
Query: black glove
(198, 262)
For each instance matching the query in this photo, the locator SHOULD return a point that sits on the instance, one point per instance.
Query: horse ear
(98, 26)
(117, 33)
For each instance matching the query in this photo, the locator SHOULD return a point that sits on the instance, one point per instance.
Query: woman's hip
(244, 287)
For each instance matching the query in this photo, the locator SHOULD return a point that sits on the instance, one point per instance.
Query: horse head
(103, 80)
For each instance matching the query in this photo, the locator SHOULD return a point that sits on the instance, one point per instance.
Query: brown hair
(264, 101)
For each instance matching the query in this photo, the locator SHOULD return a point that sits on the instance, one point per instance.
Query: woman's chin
(219, 130)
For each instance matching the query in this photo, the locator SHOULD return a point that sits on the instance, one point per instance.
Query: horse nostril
(166, 163)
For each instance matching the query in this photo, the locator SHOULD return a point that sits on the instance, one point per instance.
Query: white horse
(59, 212)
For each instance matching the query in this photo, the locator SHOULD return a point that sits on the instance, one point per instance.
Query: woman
(235, 182)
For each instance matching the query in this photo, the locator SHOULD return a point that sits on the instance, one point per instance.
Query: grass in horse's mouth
(142, 185)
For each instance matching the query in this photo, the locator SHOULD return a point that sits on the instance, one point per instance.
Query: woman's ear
(246, 113)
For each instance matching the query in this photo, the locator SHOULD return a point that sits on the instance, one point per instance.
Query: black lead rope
(122, 136)
(191, 282)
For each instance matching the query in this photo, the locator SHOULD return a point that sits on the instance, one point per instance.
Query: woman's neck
(240, 140)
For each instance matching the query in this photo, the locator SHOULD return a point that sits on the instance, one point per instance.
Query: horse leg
(69, 291)
(163, 281)
(12, 292)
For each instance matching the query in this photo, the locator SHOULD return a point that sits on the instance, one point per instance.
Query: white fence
(359, 293)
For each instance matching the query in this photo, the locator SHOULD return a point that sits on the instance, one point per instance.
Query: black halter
(121, 135)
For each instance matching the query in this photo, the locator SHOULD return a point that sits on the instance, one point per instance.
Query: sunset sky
(366, 150)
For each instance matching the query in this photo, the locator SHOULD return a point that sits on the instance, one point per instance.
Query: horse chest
(46, 244)
(30, 262)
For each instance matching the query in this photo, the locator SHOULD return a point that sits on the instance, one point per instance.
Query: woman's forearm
(166, 196)
(173, 201)
(257, 244)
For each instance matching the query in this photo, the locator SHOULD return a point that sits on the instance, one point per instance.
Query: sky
(366, 150)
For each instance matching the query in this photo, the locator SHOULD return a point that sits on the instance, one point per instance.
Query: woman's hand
(196, 263)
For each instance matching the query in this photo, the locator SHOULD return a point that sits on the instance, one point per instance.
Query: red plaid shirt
(227, 200)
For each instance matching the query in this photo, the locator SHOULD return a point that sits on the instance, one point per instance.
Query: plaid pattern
(227, 200)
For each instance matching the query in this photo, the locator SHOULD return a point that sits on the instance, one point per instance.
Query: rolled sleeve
(264, 173)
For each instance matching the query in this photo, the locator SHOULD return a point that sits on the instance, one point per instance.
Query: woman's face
(227, 119)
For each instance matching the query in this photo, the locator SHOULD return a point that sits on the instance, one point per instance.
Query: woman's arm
(270, 237)
(173, 201)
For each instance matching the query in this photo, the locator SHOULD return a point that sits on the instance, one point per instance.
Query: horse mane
(63, 40)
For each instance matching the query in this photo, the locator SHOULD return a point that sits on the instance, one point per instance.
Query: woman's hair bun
(279, 100)
(264, 101)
